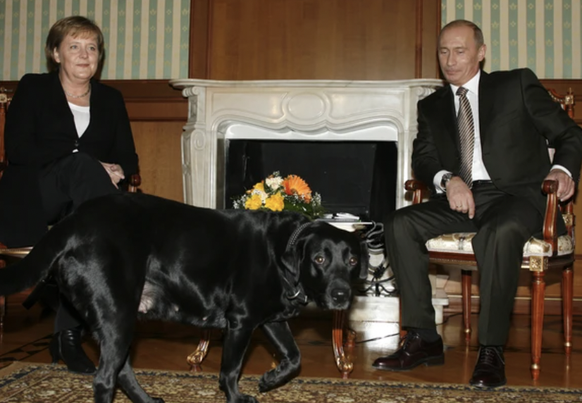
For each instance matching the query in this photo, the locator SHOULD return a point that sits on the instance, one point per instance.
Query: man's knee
(396, 219)
(507, 228)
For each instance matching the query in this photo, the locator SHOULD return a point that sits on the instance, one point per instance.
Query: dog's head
(327, 261)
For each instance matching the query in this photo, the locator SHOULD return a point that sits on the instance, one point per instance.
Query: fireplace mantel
(293, 110)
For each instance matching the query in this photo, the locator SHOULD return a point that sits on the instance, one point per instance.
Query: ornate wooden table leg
(195, 359)
(342, 362)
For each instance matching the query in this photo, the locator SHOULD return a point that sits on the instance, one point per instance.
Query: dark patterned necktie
(466, 136)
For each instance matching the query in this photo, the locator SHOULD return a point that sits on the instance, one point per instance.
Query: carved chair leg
(350, 339)
(195, 359)
(466, 302)
(537, 319)
(342, 362)
(567, 298)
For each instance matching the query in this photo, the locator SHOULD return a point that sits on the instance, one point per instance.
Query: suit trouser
(503, 224)
(65, 184)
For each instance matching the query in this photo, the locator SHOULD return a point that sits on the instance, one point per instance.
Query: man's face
(459, 55)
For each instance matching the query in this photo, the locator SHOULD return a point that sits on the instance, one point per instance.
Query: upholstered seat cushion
(461, 242)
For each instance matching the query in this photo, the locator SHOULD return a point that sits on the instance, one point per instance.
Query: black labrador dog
(125, 256)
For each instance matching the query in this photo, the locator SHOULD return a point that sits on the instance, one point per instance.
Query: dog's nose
(340, 295)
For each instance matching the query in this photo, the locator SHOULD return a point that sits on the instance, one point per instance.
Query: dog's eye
(319, 259)
(353, 261)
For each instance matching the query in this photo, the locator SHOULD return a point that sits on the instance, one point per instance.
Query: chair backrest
(566, 101)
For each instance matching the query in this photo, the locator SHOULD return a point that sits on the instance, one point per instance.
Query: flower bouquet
(277, 194)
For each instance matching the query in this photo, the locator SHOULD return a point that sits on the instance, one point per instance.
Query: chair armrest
(134, 183)
(417, 187)
(550, 188)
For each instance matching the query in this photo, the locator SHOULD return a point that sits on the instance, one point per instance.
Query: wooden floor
(165, 346)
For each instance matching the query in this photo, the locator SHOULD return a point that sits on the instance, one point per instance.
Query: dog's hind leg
(114, 367)
(234, 347)
(132, 388)
(280, 335)
(114, 346)
(115, 339)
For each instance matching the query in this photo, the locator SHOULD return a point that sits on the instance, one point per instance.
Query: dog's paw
(244, 399)
(269, 380)
(158, 400)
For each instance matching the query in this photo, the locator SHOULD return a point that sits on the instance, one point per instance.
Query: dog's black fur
(231, 269)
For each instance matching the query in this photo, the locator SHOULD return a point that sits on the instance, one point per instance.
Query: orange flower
(293, 184)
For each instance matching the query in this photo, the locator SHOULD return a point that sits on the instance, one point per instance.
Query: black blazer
(40, 129)
(517, 120)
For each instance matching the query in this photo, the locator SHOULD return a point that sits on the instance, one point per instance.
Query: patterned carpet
(40, 383)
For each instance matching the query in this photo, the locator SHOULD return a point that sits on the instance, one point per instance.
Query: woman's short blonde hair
(74, 26)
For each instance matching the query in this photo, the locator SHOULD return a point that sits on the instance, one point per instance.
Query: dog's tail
(34, 267)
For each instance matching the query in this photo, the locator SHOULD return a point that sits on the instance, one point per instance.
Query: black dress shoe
(66, 346)
(412, 352)
(490, 368)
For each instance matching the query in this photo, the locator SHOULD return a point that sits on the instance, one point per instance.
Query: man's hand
(115, 172)
(460, 196)
(566, 185)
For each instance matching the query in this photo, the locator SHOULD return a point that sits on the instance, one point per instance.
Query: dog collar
(293, 238)
(295, 291)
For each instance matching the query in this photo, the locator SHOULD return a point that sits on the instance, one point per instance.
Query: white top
(82, 117)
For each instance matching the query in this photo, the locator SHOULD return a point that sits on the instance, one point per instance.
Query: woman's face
(78, 56)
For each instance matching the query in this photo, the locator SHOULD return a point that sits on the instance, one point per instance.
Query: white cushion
(461, 242)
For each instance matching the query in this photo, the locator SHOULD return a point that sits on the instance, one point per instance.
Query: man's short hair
(478, 34)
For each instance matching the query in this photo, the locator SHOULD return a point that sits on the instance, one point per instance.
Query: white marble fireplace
(293, 110)
(313, 110)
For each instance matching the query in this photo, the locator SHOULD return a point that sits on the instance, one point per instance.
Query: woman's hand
(115, 172)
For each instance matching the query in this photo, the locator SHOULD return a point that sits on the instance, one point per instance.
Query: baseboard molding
(522, 306)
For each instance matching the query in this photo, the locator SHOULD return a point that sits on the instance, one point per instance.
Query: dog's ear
(294, 250)
(364, 259)
(292, 258)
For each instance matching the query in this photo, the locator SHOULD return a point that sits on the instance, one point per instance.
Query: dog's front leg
(280, 335)
(236, 342)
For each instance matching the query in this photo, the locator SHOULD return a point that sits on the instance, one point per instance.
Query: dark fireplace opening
(356, 177)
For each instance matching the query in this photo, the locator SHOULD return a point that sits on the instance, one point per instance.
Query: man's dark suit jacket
(40, 129)
(517, 120)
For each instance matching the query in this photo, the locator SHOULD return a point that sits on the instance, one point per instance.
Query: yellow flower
(254, 202)
(275, 202)
(260, 186)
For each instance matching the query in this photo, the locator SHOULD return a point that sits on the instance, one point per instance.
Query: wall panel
(312, 39)
(160, 160)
